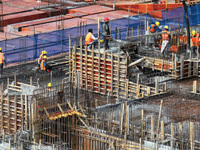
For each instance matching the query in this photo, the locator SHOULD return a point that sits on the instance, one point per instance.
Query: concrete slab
(55, 25)
(94, 9)
(19, 26)
(25, 3)
(25, 16)
(25, 33)
(112, 15)
(77, 14)
(6, 35)
(8, 9)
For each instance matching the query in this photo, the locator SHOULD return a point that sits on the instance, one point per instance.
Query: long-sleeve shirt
(106, 30)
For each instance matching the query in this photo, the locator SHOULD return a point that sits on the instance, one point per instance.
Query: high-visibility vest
(195, 40)
(165, 36)
(42, 66)
(153, 28)
(41, 57)
(88, 38)
(1, 58)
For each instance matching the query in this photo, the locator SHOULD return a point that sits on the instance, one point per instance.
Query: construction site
(130, 96)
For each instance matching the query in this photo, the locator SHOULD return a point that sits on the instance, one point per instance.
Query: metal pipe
(187, 24)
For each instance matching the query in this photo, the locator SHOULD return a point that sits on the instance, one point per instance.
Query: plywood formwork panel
(13, 115)
(105, 73)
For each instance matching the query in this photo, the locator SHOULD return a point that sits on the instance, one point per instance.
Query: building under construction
(129, 97)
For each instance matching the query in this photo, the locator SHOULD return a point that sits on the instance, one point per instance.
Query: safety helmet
(193, 32)
(44, 52)
(49, 85)
(45, 57)
(157, 23)
(106, 20)
(0, 49)
(166, 27)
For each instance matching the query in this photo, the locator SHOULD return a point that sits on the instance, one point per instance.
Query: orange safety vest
(41, 57)
(152, 28)
(165, 36)
(195, 40)
(1, 58)
(88, 38)
(42, 67)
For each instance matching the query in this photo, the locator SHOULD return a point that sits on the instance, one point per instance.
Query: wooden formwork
(178, 68)
(14, 110)
(106, 73)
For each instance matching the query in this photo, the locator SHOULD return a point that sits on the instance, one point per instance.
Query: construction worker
(150, 40)
(43, 63)
(165, 40)
(44, 53)
(195, 41)
(49, 87)
(2, 61)
(106, 33)
(90, 39)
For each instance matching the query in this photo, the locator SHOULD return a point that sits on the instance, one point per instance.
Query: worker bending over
(106, 33)
(165, 40)
(44, 53)
(150, 40)
(43, 63)
(195, 41)
(2, 61)
(90, 39)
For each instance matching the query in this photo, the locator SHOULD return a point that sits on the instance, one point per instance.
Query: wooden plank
(2, 119)
(152, 129)
(194, 86)
(160, 111)
(105, 85)
(15, 107)
(162, 131)
(121, 118)
(8, 107)
(92, 80)
(192, 135)
(81, 61)
(46, 111)
(172, 136)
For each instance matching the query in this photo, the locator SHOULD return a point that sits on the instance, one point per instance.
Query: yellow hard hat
(166, 27)
(101, 41)
(157, 23)
(193, 32)
(49, 85)
(45, 52)
(45, 57)
(42, 52)
(0, 49)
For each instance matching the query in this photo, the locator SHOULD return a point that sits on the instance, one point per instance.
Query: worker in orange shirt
(44, 53)
(165, 40)
(195, 41)
(90, 39)
(2, 61)
(150, 40)
(43, 63)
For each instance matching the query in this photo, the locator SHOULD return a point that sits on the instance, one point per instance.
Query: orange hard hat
(106, 19)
